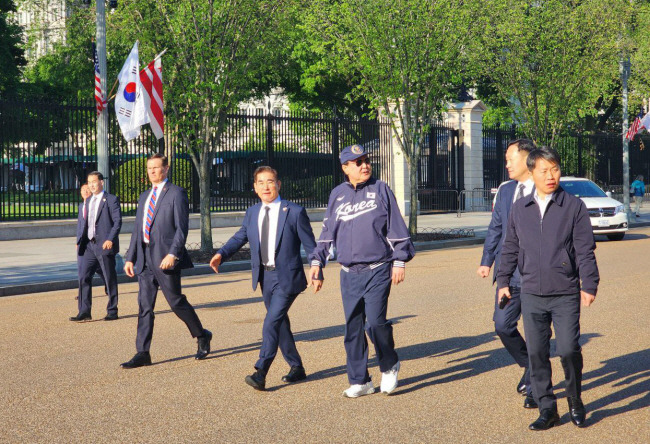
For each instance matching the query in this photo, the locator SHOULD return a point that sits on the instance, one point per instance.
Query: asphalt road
(61, 381)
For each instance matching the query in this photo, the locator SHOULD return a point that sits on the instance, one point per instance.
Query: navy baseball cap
(352, 152)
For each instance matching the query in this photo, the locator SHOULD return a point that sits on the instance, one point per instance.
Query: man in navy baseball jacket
(274, 228)
(364, 224)
(506, 318)
(550, 239)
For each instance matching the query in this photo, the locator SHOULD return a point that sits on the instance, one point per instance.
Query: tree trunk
(413, 213)
(204, 189)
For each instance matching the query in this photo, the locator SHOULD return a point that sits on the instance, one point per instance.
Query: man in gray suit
(157, 255)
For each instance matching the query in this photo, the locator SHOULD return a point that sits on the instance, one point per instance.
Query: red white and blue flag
(152, 89)
(635, 127)
(129, 102)
(99, 97)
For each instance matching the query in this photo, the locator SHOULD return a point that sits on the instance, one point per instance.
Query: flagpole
(625, 74)
(103, 160)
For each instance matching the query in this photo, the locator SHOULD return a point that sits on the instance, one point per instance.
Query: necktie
(520, 192)
(91, 218)
(150, 208)
(264, 241)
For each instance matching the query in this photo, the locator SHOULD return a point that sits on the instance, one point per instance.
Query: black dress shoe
(521, 386)
(81, 317)
(111, 317)
(577, 411)
(203, 348)
(139, 360)
(295, 374)
(257, 380)
(529, 402)
(547, 419)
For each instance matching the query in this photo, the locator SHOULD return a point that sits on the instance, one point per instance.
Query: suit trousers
(365, 298)
(88, 264)
(152, 278)
(564, 313)
(276, 331)
(505, 325)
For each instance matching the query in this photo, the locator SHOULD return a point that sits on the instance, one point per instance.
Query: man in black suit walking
(274, 228)
(97, 244)
(157, 255)
(507, 316)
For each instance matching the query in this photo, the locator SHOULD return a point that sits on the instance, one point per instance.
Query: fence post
(580, 155)
(499, 152)
(336, 164)
(269, 139)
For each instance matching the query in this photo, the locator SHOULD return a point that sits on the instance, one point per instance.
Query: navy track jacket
(555, 254)
(365, 226)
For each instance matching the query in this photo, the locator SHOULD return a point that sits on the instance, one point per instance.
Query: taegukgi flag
(129, 102)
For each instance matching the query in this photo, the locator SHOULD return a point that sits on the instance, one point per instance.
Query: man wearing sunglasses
(365, 226)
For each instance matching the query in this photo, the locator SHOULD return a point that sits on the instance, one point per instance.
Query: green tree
(551, 60)
(219, 54)
(12, 58)
(408, 55)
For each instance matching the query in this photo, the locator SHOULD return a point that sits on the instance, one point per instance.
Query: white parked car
(607, 215)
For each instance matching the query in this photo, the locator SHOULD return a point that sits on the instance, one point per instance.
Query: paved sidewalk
(61, 380)
(28, 266)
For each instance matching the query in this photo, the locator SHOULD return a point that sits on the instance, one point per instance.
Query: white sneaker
(389, 379)
(356, 390)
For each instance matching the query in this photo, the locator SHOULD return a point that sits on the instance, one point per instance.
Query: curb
(202, 269)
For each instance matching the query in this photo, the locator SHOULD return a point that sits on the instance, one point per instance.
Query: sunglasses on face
(360, 161)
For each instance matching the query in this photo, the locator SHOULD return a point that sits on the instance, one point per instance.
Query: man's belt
(268, 267)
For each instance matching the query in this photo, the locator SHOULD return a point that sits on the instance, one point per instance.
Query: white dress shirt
(94, 201)
(159, 187)
(528, 188)
(543, 203)
(274, 214)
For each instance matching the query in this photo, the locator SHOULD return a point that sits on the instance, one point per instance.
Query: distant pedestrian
(98, 229)
(637, 188)
(364, 224)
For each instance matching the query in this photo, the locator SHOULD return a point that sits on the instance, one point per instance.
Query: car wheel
(616, 236)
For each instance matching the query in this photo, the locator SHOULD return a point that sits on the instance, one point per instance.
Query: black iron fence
(596, 156)
(47, 150)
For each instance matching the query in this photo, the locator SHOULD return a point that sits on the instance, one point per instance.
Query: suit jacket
(497, 231)
(293, 229)
(108, 223)
(168, 229)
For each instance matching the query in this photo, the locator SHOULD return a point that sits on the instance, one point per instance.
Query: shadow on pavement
(631, 372)
(219, 304)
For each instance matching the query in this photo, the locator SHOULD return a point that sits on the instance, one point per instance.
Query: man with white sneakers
(364, 224)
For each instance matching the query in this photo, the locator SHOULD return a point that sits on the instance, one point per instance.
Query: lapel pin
(284, 209)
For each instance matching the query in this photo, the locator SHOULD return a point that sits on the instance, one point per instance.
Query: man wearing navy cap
(364, 224)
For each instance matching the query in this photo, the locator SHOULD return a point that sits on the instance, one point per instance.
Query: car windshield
(582, 188)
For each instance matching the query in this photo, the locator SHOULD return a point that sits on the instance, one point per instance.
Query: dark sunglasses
(360, 161)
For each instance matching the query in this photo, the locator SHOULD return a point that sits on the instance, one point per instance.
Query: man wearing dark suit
(97, 244)
(274, 228)
(81, 221)
(506, 318)
(157, 255)
(550, 239)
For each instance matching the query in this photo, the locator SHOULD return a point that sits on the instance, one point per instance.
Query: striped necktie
(150, 208)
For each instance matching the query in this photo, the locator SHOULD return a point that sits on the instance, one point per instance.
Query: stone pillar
(467, 117)
(398, 175)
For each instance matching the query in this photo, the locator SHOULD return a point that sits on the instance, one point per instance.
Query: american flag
(635, 127)
(99, 97)
(151, 78)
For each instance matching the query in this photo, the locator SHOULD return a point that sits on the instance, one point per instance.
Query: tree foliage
(12, 58)
(407, 56)
(550, 60)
